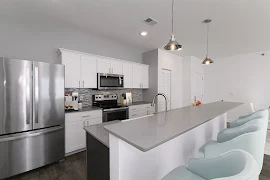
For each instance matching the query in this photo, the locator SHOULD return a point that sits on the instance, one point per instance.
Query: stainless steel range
(32, 115)
(111, 109)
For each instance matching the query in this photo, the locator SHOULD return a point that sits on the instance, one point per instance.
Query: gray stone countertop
(88, 108)
(98, 132)
(149, 132)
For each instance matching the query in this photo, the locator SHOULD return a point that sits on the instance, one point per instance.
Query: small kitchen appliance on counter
(111, 109)
(72, 101)
(126, 99)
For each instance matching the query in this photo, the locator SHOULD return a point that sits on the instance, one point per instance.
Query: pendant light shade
(207, 60)
(173, 45)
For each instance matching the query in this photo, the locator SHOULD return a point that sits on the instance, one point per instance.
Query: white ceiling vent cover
(150, 21)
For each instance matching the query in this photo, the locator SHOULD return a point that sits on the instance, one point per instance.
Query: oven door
(115, 114)
(110, 81)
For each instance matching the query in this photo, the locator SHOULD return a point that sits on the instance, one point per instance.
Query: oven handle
(115, 109)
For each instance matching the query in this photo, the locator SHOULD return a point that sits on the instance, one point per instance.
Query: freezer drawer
(26, 151)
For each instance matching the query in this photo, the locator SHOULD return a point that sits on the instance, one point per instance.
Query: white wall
(191, 66)
(158, 59)
(151, 58)
(242, 78)
(172, 62)
(40, 42)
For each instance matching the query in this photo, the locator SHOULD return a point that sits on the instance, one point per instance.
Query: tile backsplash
(86, 94)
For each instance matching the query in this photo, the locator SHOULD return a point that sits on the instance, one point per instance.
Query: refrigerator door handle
(36, 95)
(30, 134)
(28, 80)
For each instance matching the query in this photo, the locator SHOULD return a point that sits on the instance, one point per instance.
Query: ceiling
(238, 26)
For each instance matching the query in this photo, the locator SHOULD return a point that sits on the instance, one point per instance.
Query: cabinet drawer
(93, 121)
(139, 107)
(138, 114)
(134, 115)
(71, 117)
(96, 114)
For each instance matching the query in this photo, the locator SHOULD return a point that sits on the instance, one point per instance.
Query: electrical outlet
(81, 98)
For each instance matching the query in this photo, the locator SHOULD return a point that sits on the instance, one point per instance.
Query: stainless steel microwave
(110, 81)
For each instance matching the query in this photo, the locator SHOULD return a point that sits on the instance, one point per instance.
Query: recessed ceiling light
(144, 33)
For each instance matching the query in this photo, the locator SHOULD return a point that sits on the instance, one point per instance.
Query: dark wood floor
(74, 168)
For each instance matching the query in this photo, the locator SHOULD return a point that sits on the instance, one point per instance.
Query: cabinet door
(116, 67)
(75, 136)
(88, 71)
(103, 65)
(128, 77)
(136, 76)
(72, 69)
(145, 76)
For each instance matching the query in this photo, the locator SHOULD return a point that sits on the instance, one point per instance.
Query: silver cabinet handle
(85, 116)
(36, 96)
(112, 70)
(134, 114)
(79, 83)
(83, 83)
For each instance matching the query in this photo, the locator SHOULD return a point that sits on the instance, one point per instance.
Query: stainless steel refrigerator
(31, 115)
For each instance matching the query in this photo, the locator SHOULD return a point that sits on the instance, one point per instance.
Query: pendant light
(207, 60)
(173, 44)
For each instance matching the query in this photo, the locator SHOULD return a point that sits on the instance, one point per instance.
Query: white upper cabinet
(116, 67)
(140, 76)
(88, 71)
(72, 69)
(127, 72)
(103, 65)
(109, 66)
(136, 76)
(81, 70)
(145, 76)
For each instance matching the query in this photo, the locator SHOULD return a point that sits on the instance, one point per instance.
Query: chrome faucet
(154, 100)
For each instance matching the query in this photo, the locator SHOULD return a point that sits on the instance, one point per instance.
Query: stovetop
(108, 106)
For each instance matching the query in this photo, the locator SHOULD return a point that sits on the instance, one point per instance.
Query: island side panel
(127, 162)
(97, 159)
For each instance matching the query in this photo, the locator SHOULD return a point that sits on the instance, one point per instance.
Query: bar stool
(233, 165)
(244, 119)
(248, 137)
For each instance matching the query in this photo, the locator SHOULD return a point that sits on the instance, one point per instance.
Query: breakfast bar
(150, 147)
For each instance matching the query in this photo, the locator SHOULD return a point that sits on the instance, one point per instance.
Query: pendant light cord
(207, 37)
(172, 15)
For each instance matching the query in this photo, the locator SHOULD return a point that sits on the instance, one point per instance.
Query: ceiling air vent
(150, 21)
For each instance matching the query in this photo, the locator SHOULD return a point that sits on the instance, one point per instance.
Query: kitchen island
(150, 147)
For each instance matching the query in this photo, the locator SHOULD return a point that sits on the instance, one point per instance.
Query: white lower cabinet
(136, 111)
(75, 136)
